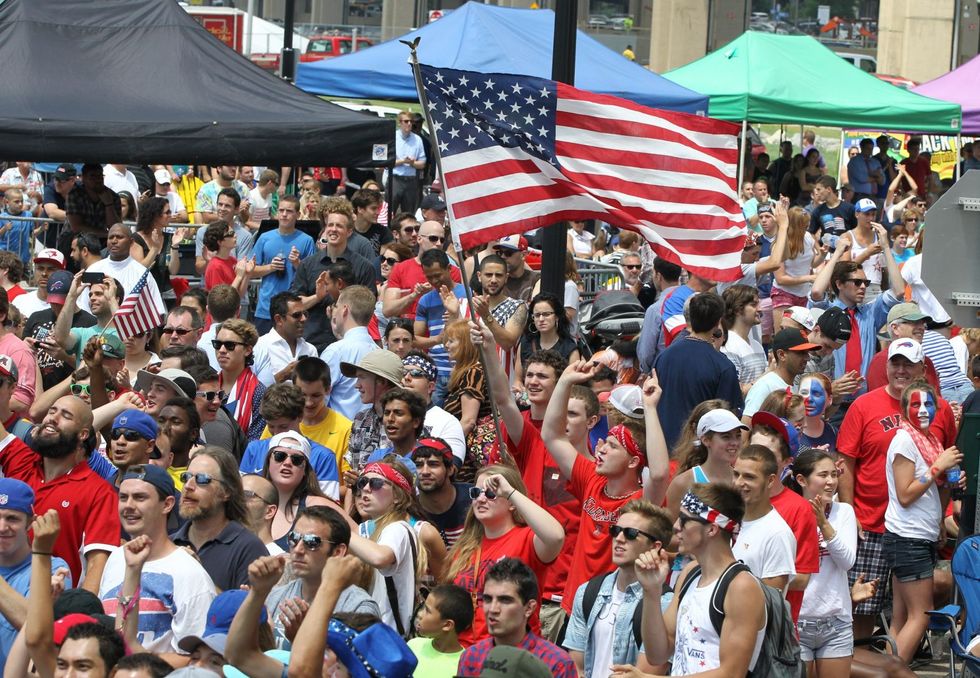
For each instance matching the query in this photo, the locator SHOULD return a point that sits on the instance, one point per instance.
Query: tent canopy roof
(962, 86)
(143, 82)
(767, 78)
(488, 39)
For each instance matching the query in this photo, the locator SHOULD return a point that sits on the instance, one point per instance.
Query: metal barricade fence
(598, 277)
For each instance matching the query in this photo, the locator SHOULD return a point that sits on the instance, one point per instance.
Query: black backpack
(592, 593)
(779, 656)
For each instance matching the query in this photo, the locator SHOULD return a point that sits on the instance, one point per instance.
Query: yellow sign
(945, 153)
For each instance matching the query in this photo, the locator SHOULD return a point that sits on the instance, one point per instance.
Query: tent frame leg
(741, 160)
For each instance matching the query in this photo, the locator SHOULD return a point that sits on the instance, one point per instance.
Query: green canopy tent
(790, 79)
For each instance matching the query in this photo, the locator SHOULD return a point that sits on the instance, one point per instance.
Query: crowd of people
(330, 458)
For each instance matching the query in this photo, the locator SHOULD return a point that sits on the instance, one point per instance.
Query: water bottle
(830, 240)
(953, 477)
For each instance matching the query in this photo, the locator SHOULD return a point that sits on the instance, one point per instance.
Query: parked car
(319, 47)
(598, 21)
(865, 62)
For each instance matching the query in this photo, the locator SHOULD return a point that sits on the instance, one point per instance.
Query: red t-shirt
(877, 375)
(593, 548)
(919, 170)
(518, 543)
(405, 275)
(14, 292)
(219, 272)
(87, 505)
(865, 434)
(548, 487)
(798, 514)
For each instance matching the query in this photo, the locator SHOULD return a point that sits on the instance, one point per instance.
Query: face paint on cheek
(922, 409)
(815, 400)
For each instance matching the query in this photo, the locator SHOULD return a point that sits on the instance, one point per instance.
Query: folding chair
(962, 624)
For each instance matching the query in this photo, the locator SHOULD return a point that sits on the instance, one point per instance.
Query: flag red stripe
(481, 172)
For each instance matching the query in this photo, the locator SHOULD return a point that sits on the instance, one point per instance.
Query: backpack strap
(393, 592)
(592, 588)
(717, 609)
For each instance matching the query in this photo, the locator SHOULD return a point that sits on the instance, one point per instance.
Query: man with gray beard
(56, 467)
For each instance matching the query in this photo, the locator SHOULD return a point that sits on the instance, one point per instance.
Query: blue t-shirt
(431, 310)
(322, 459)
(383, 452)
(268, 246)
(18, 238)
(19, 578)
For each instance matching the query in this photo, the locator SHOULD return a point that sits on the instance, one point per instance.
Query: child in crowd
(16, 235)
(447, 611)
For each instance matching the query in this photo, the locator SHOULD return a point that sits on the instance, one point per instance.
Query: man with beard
(91, 206)
(167, 611)
(57, 470)
(180, 427)
(277, 351)
(407, 282)
(46, 262)
(261, 506)
(503, 314)
(123, 268)
(213, 503)
(85, 251)
(444, 502)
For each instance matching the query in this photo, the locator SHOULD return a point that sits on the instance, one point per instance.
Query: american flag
(137, 312)
(520, 152)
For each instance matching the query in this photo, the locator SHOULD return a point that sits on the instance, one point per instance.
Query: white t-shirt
(396, 537)
(921, 294)
(919, 520)
(828, 593)
(797, 267)
(441, 424)
(582, 243)
(960, 350)
(174, 200)
(121, 181)
(261, 207)
(29, 303)
(603, 632)
(767, 545)
(175, 593)
(748, 357)
(873, 265)
(127, 273)
(572, 301)
(766, 384)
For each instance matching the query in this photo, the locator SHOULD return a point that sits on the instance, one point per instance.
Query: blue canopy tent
(489, 39)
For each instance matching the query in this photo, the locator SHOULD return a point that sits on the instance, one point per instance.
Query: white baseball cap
(162, 176)
(628, 399)
(909, 348)
(865, 205)
(719, 421)
(802, 316)
(290, 440)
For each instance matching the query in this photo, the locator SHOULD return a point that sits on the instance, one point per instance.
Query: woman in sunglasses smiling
(502, 522)
(391, 253)
(233, 347)
(287, 466)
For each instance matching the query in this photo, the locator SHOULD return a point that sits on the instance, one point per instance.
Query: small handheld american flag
(520, 152)
(137, 312)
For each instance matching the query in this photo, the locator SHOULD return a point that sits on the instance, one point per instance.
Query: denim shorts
(825, 638)
(909, 559)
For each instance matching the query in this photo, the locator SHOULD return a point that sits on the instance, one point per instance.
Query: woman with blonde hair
(795, 276)
(502, 522)
(388, 542)
(468, 398)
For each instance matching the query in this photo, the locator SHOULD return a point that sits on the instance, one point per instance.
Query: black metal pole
(288, 61)
(554, 238)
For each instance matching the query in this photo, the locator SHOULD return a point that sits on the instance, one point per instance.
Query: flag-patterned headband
(695, 506)
(625, 438)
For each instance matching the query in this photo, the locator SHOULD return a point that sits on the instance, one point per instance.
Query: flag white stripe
(650, 177)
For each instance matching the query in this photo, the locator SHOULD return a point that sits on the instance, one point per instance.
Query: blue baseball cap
(16, 495)
(139, 421)
(154, 475)
(220, 615)
(58, 284)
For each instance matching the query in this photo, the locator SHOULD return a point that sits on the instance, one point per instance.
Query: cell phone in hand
(93, 277)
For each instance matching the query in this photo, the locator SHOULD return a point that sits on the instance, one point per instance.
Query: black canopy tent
(140, 81)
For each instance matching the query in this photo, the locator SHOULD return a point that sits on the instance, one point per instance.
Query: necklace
(694, 337)
(605, 491)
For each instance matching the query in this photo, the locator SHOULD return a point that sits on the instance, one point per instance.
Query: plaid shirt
(367, 435)
(91, 211)
(560, 663)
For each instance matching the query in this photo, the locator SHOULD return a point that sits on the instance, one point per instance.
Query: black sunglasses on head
(295, 459)
(631, 533)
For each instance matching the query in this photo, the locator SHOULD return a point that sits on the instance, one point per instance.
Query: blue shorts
(909, 559)
(825, 638)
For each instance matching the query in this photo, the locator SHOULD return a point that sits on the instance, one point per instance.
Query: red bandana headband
(625, 438)
(694, 505)
(388, 472)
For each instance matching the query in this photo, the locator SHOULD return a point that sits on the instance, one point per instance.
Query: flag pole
(416, 71)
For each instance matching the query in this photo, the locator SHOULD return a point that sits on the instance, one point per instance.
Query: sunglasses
(311, 542)
(212, 395)
(416, 373)
(79, 389)
(374, 483)
(504, 253)
(130, 435)
(631, 533)
(179, 331)
(391, 261)
(251, 494)
(228, 235)
(199, 478)
(410, 229)
(228, 344)
(435, 238)
(684, 520)
(859, 282)
(475, 493)
(632, 267)
(298, 315)
(295, 459)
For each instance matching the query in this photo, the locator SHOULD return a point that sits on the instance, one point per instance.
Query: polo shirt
(226, 557)
(86, 504)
